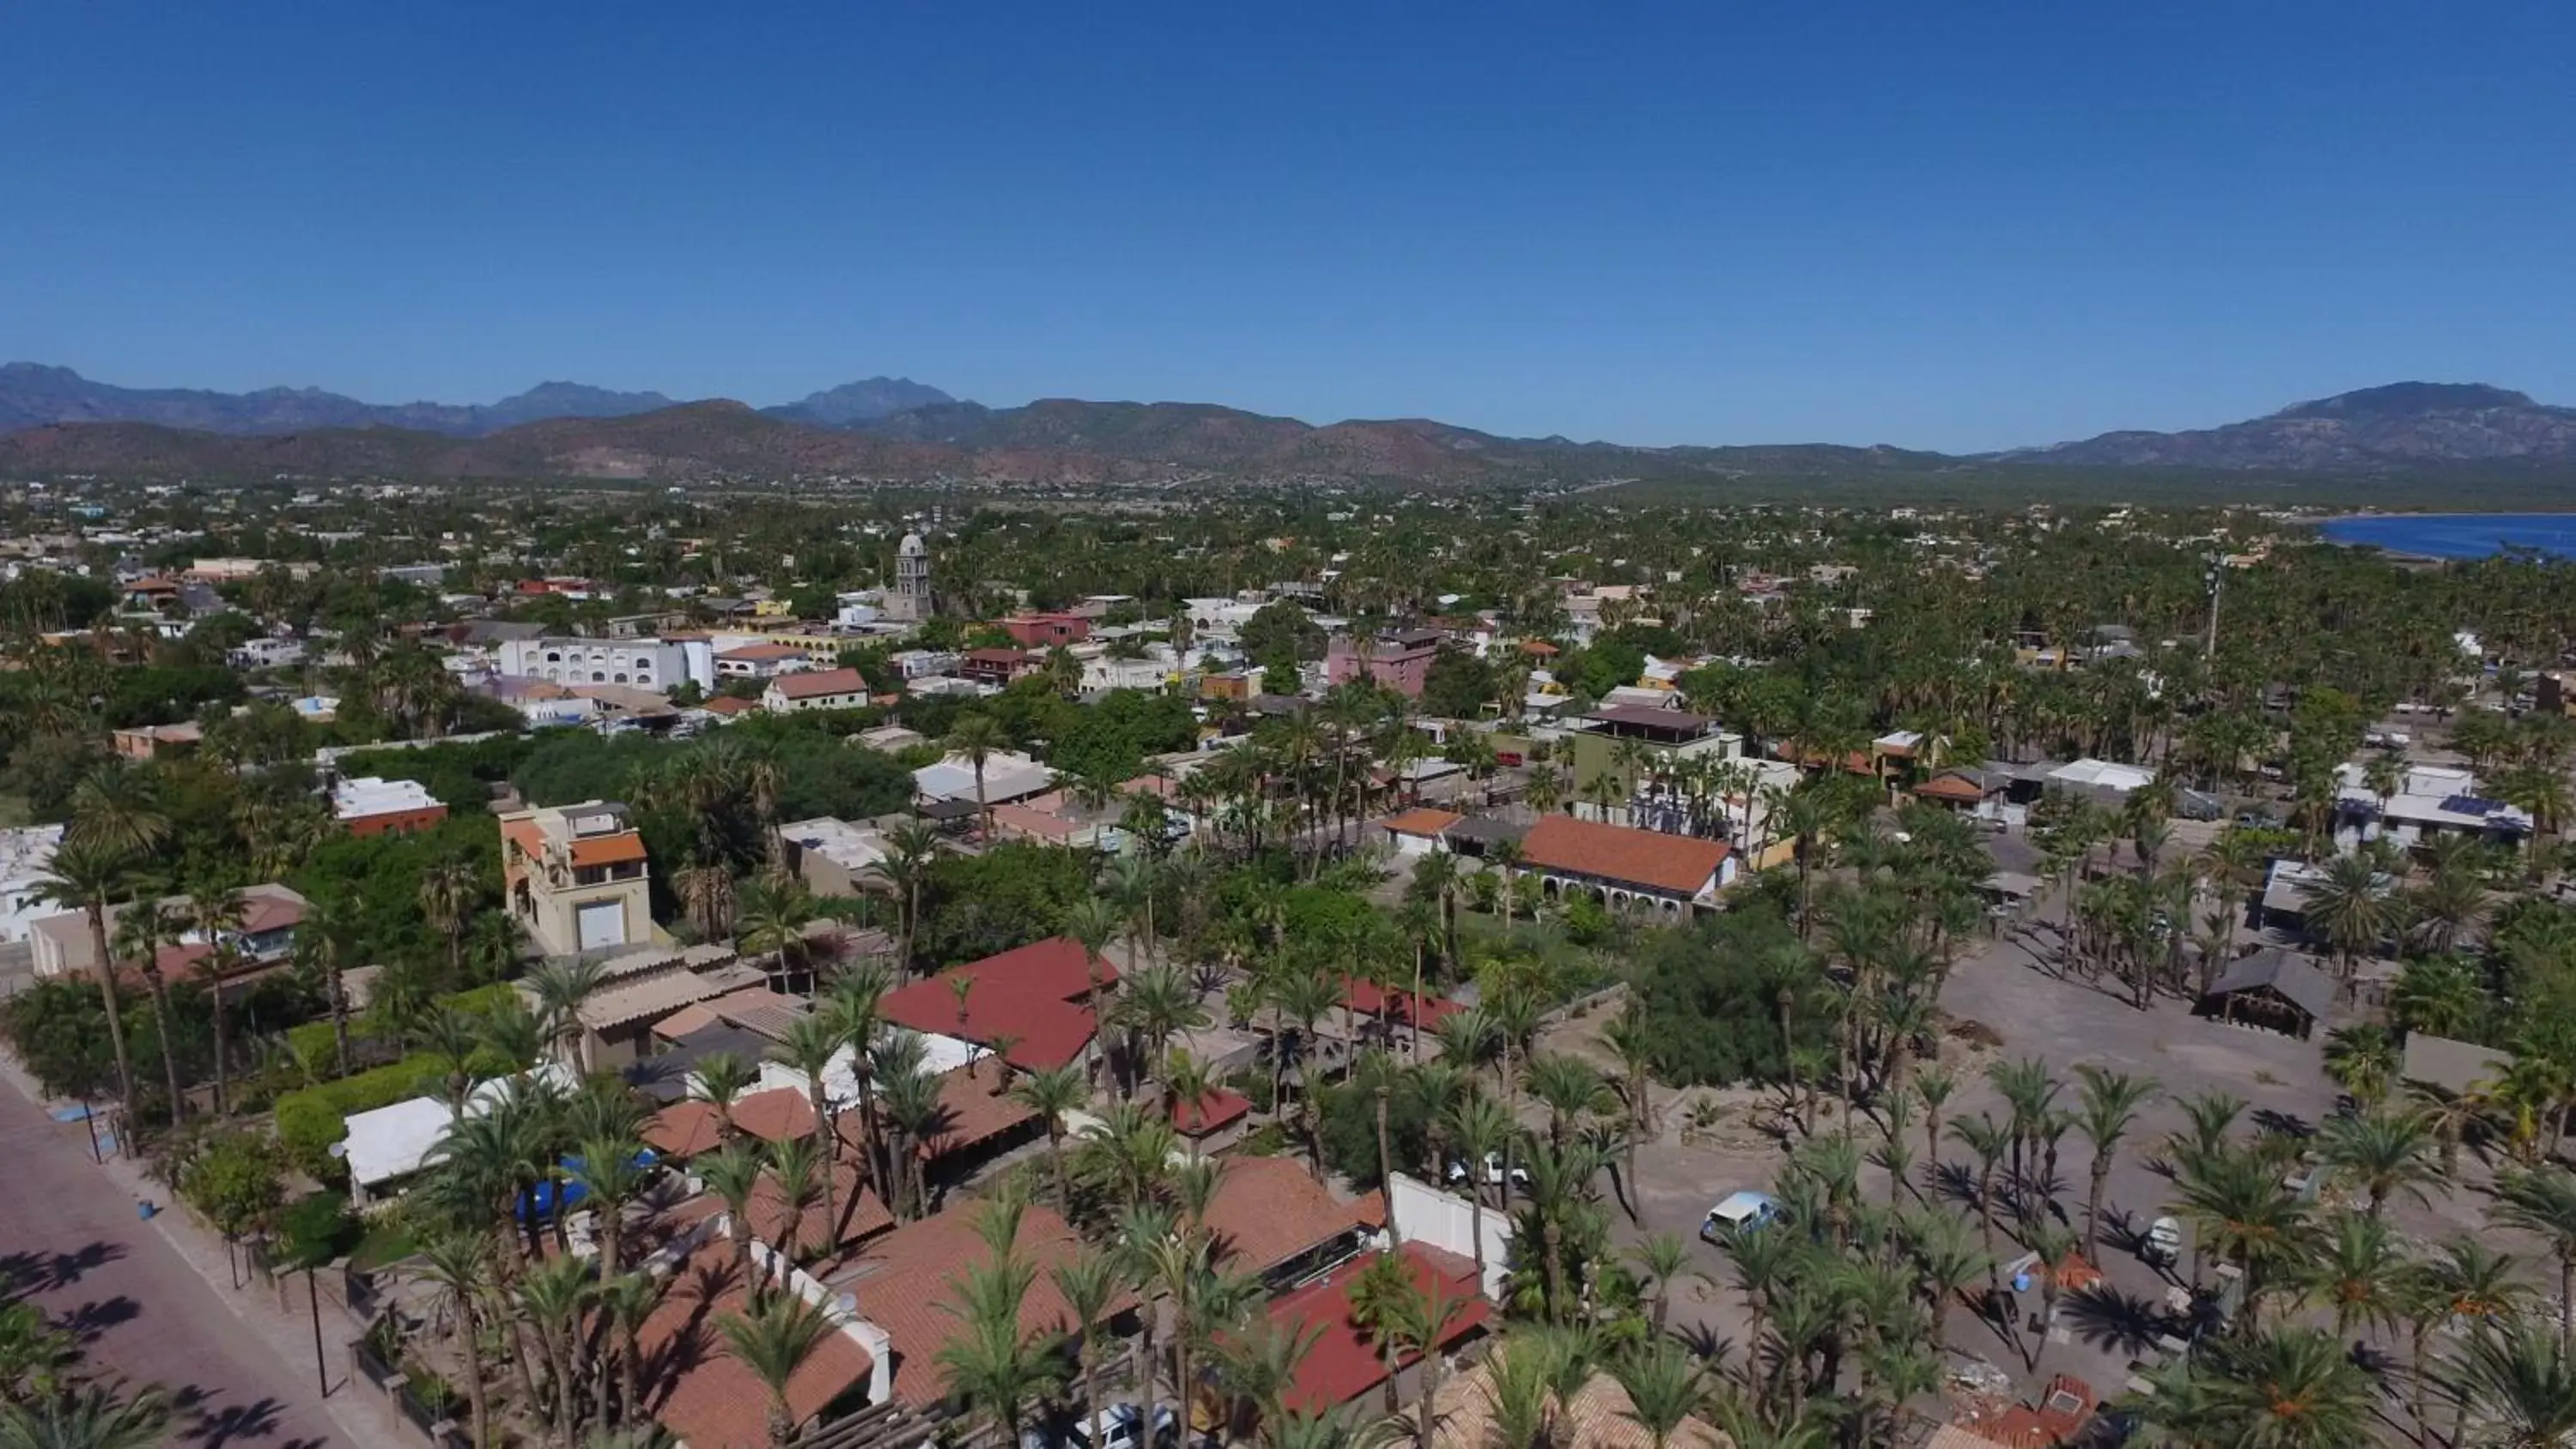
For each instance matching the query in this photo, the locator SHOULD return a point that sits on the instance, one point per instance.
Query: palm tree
(1665, 1260)
(560, 987)
(553, 1295)
(807, 1048)
(2543, 1201)
(117, 808)
(92, 1416)
(2522, 1386)
(457, 1265)
(85, 877)
(772, 918)
(328, 939)
(1987, 1139)
(774, 1340)
(612, 1172)
(732, 1173)
(141, 932)
(2356, 1275)
(1480, 1128)
(2238, 1208)
(911, 848)
(2108, 1105)
(2383, 1153)
(2351, 909)
(1665, 1386)
(992, 1366)
(978, 737)
(1052, 1092)
(2363, 1060)
(2294, 1389)
(1090, 1284)
(447, 894)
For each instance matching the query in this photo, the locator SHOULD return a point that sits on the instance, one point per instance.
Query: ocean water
(2460, 535)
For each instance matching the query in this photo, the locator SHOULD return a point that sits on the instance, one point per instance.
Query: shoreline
(2417, 556)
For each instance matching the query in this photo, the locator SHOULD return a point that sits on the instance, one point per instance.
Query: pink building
(1399, 659)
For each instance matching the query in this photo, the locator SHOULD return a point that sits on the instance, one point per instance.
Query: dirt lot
(2066, 1022)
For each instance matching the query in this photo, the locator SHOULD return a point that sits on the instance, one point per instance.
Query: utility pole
(2217, 572)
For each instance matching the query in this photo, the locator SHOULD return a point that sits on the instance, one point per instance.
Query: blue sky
(1938, 225)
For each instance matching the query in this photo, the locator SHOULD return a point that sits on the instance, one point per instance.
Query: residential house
(1624, 867)
(818, 689)
(1047, 630)
(576, 878)
(1397, 659)
(370, 805)
(263, 936)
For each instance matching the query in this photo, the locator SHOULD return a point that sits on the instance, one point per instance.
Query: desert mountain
(587, 434)
(2405, 424)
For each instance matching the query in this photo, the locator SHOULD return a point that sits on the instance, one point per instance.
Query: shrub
(318, 1229)
(309, 1120)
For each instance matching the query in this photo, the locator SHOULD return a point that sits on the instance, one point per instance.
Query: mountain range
(33, 394)
(53, 420)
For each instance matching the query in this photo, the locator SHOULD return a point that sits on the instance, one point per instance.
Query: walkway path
(151, 1301)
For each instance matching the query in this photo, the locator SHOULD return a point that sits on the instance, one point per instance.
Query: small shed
(2456, 1067)
(2273, 988)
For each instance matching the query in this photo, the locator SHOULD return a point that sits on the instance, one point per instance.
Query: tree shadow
(91, 1321)
(233, 1422)
(1703, 1342)
(2283, 1124)
(1956, 1182)
(2109, 1319)
(37, 1271)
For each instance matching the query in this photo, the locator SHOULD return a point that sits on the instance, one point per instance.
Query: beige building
(576, 878)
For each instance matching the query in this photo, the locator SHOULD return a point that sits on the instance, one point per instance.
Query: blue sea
(2460, 535)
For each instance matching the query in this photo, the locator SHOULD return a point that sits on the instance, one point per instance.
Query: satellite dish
(846, 1306)
(338, 1150)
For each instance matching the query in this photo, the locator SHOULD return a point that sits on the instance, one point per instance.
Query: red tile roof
(1044, 1031)
(971, 1112)
(818, 682)
(776, 1115)
(1215, 1109)
(1345, 1361)
(755, 653)
(1267, 1210)
(706, 1396)
(728, 704)
(684, 1129)
(1422, 820)
(904, 1283)
(1621, 855)
(860, 1212)
(1425, 1011)
(1951, 787)
(608, 849)
(1053, 967)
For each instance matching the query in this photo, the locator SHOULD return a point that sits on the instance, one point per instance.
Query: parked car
(1738, 1211)
(1122, 1426)
(1493, 1172)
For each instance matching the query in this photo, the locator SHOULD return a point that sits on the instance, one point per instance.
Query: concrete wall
(1424, 1214)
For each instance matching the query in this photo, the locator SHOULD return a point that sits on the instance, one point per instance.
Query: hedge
(310, 1119)
(316, 1048)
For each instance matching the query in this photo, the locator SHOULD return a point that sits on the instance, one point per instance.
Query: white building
(26, 857)
(657, 664)
(2431, 800)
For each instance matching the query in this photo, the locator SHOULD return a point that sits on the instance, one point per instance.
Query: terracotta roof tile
(1267, 1210)
(608, 849)
(684, 1130)
(704, 1395)
(1422, 820)
(904, 1284)
(1621, 855)
(816, 683)
(1344, 1361)
(776, 1115)
(1215, 1110)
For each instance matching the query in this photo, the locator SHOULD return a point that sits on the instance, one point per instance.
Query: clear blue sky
(1942, 225)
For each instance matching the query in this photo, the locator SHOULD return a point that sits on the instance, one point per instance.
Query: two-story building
(577, 878)
(815, 689)
(1397, 659)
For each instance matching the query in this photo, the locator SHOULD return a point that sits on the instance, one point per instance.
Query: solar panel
(2471, 805)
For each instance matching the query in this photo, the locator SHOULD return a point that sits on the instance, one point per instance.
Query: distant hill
(566, 430)
(2402, 425)
(855, 403)
(32, 394)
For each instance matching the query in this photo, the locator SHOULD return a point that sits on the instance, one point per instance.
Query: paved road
(69, 1238)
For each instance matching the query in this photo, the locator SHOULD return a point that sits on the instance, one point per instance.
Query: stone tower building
(908, 602)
